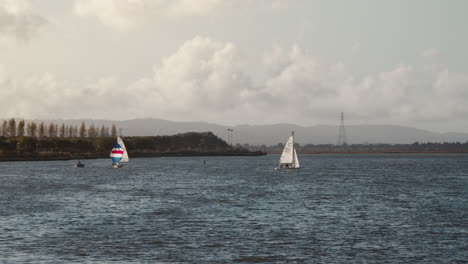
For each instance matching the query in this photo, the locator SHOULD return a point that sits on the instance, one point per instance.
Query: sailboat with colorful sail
(288, 159)
(119, 154)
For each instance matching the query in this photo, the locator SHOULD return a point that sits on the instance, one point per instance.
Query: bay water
(385, 208)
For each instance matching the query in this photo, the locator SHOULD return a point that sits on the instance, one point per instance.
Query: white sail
(288, 152)
(296, 160)
(125, 153)
(288, 159)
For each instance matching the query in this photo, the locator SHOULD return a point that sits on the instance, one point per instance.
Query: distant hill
(273, 134)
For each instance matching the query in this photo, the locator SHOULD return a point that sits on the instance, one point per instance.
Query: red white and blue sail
(117, 153)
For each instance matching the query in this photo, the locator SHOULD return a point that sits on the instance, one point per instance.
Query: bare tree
(62, 130)
(70, 131)
(12, 128)
(73, 131)
(51, 130)
(4, 128)
(67, 131)
(103, 131)
(82, 130)
(91, 131)
(28, 129)
(114, 131)
(20, 131)
(41, 131)
(32, 129)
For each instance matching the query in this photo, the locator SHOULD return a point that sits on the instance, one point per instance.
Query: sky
(235, 62)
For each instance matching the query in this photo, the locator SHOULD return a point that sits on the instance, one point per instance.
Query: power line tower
(341, 133)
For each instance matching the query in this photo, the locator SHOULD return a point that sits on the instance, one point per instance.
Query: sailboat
(119, 154)
(289, 160)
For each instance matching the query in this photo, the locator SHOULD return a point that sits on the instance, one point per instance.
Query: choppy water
(338, 209)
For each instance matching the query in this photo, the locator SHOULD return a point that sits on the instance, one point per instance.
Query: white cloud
(279, 4)
(44, 96)
(202, 76)
(355, 46)
(301, 74)
(124, 14)
(8, 89)
(432, 62)
(375, 96)
(303, 90)
(17, 21)
(430, 53)
(206, 79)
(451, 85)
(299, 86)
(444, 99)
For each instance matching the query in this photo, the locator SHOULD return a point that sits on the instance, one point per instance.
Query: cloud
(45, 96)
(123, 14)
(430, 53)
(17, 21)
(432, 60)
(203, 75)
(355, 46)
(301, 89)
(377, 96)
(301, 74)
(451, 84)
(7, 100)
(279, 4)
(206, 79)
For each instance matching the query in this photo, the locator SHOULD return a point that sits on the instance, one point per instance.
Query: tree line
(12, 128)
(186, 144)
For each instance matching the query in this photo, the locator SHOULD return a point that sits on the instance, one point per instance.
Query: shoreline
(376, 152)
(58, 156)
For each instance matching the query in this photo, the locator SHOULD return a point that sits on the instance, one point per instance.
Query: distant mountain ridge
(276, 133)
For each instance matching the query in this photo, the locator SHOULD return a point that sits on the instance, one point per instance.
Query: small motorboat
(79, 165)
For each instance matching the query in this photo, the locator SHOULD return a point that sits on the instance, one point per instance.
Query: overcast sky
(237, 61)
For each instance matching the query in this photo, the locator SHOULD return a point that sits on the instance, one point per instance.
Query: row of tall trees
(11, 128)
(47, 147)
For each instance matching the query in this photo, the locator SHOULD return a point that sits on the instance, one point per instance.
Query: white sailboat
(289, 160)
(119, 154)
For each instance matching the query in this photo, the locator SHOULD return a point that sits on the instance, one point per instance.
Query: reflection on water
(337, 209)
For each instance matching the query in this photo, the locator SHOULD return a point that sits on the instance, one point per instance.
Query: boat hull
(287, 169)
(117, 165)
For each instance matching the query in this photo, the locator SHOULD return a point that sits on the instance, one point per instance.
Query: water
(338, 209)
